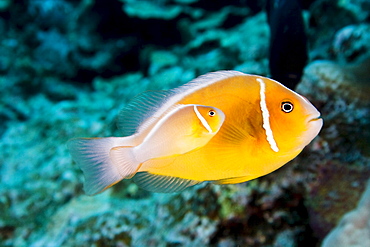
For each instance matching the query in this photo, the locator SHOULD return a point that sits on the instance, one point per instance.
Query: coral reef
(341, 90)
(353, 229)
(68, 67)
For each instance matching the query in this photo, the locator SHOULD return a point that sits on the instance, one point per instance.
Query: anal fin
(235, 180)
(162, 184)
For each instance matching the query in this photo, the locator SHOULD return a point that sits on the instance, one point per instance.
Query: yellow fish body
(262, 126)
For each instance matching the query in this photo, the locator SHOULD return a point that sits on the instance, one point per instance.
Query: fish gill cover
(68, 67)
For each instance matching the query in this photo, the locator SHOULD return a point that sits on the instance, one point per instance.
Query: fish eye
(287, 106)
(211, 113)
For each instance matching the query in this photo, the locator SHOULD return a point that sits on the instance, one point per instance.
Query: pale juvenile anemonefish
(223, 127)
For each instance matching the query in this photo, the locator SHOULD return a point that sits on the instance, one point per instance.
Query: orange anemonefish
(223, 127)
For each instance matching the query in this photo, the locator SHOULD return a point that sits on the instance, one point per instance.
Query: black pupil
(212, 113)
(287, 107)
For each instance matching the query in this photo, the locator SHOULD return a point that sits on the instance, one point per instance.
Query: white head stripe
(201, 118)
(266, 117)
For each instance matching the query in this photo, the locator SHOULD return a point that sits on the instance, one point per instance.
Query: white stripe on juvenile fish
(187, 89)
(202, 120)
(266, 117)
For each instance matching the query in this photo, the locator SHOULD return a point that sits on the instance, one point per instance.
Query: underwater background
(67, 67)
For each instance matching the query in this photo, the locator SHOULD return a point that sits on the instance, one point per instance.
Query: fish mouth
(314, 125)
(317, 118)
(316, 122)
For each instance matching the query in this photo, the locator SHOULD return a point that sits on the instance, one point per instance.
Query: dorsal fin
(162, 184)
(148, 104)
(206, 80)
(140, 109)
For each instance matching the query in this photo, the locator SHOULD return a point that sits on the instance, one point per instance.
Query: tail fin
(94, 158)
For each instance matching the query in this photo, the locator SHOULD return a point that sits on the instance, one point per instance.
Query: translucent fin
(125, 161)
(206, 80)
(235, 180)
(232, 133)
(92, 156)
(139, 109)
(162, 184)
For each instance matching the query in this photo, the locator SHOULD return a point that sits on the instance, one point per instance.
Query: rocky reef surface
(353, 229)
(68, 67)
